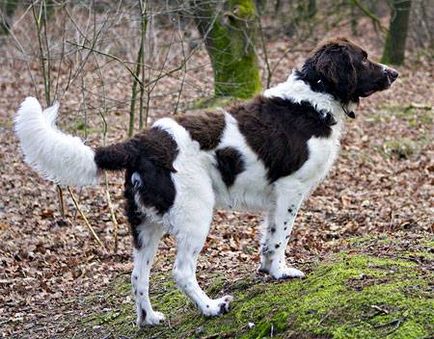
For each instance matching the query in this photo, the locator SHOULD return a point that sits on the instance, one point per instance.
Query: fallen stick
(92, 231)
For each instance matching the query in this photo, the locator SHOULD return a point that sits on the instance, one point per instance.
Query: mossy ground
(349, 295)
(414, 116)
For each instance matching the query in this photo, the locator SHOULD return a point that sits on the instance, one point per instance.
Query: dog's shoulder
(278, 129)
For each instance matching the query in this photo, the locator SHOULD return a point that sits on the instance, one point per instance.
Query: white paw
(150, 318)
(217, 306)
(286, 273)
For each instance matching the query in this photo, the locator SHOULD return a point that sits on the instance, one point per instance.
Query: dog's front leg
(278, 226)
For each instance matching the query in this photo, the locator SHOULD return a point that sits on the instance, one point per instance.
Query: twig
(114, 57)
(61, 201)
(105, 128)
(45, 73)
(144, 27)
(368, 13)
(112, 214)
(123, 63)
(324, 318)
(379, 309)
(92, 231)
(264, 49)
(137, 71)
(183, 74)
(395, 323)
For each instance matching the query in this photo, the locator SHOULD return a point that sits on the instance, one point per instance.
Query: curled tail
(59, 157)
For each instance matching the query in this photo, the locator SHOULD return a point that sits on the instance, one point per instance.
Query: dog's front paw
(217, 307)
(286, 273)
(150, 318)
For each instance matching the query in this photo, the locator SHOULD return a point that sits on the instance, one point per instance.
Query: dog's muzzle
(391, 75)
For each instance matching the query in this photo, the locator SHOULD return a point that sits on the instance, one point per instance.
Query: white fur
(297, 91)
(58, 157)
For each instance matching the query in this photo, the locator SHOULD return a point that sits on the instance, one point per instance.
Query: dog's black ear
(335, 64)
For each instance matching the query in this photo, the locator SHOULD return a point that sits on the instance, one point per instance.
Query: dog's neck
(297, 90)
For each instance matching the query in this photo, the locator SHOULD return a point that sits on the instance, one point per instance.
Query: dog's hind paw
(287, 273)
(150, 319)
(217, 306)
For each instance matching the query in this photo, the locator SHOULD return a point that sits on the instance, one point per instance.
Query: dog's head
(342, 69)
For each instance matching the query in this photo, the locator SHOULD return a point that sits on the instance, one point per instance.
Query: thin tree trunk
(7, 9)
(137, 72)
(394, 48)
(229, 29)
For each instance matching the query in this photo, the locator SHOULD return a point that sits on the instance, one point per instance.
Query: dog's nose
(392, 73)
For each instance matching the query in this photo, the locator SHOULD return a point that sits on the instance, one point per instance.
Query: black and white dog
(266, 155)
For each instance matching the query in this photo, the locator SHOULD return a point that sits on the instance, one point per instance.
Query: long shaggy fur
(56, 156)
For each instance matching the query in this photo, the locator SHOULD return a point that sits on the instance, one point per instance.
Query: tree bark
(394, 48)
(229, 29)
(7, 9)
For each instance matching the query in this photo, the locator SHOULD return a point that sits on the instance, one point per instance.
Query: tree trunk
(229, 30)
(7, 9)
(305, 10)
(394, 48)
(261, 6)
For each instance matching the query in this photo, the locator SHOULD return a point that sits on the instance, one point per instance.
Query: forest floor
(364, 237)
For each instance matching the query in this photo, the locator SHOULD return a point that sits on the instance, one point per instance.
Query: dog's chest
(322, 154)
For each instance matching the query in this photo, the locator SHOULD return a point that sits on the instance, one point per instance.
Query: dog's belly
(250, 191)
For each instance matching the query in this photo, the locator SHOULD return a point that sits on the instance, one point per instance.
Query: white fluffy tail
(61, 158)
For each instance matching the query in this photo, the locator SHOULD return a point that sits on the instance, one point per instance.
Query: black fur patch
(154, 153)
(278, 131)
(229, 163)
(135, 218)
(154, 144)
(206, 129)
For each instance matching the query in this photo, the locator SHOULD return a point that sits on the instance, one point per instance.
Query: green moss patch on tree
(350, 295)
(229, 35)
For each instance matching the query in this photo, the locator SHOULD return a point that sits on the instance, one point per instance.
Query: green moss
(351, 296)
(211, 103)
(81, 127)
(362, 241)
(235, 71)
(233, 57)
(244, 9)
(414, 115)
(402, 148)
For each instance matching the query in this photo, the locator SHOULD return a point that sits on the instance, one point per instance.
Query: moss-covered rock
(351, 295)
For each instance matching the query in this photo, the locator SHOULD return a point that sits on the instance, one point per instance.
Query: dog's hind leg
(148, 236)
(191, 233)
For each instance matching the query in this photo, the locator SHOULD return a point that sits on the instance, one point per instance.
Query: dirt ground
(382, 183)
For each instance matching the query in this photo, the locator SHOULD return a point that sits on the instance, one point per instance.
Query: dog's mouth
(368, 93)
(388, 77)
(382, 85)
